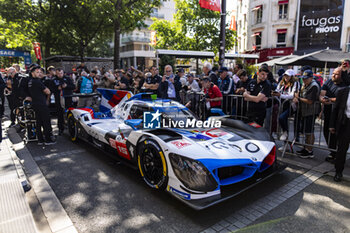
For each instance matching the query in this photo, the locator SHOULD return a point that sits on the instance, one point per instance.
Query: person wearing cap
(328, 94)
(208, 71)
(257, 94)
(308, 110)
(226, 87)
(286, 90)
(181, 76)
(38, 93)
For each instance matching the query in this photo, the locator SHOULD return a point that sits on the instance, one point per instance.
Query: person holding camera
(38, 93)
(170, 86)
(328, 97)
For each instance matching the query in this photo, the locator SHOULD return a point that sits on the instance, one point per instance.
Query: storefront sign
(320, 25)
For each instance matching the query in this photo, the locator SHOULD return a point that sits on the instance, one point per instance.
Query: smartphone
(325, 97)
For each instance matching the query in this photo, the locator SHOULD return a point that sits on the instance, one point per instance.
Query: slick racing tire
(72, 127)
(152, 164)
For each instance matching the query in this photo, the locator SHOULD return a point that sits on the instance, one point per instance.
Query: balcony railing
(157, 15)
(135, 39)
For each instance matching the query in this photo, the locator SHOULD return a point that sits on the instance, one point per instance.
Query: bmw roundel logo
(251, 147)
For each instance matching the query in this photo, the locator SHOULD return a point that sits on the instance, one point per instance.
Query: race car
(200, 163)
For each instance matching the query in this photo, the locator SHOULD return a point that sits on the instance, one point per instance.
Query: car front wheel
(152, 164)
(72, 127)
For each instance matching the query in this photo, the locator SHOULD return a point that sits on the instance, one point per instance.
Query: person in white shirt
(286, 90)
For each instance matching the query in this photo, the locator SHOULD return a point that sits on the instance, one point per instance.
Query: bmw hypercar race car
(200, 163)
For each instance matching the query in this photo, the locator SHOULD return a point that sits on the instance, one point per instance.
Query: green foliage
(193, 28)
(80, 27)
(251, 69)
(166, 60)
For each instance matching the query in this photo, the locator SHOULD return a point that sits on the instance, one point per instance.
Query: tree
(62, 26)
(193, 28)
(126, 16)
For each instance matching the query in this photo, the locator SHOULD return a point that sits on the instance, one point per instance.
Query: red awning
(283, 2)
(281, 31)
(257, 8)
(256, 34)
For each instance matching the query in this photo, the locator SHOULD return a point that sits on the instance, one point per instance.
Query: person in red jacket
(214, 95)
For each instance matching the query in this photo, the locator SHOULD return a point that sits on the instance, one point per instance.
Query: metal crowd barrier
(236, 106)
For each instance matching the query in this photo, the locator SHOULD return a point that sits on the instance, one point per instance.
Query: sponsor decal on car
(152, 120)
(180, 144)
(179, 193)
(121, 148)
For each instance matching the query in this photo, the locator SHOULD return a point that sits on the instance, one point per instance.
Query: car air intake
(228, 172)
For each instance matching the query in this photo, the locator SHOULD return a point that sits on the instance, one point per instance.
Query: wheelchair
(25, 116)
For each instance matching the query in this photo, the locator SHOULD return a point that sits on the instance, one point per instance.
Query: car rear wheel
(152, 164)
(72, 127)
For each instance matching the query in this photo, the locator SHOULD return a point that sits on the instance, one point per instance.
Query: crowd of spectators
(302, 95)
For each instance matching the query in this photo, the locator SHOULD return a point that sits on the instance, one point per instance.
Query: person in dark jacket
(345, 75)
(340, 124)
(67, 87)
(38, 93)
(11, 92)
(170, 86)
(226, 87)
(328, 97)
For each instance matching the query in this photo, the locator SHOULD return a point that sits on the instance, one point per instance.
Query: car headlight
(193, 174)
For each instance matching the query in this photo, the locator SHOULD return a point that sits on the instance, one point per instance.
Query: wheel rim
(152, 166)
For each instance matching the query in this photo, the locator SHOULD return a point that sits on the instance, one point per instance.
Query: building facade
(272, 26)
(135, 48)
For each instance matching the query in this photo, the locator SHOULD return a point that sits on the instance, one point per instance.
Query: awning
(257, 8)
(317, 59)
(256, 34)
(283, 2)
(244, 56)
(281, 31)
